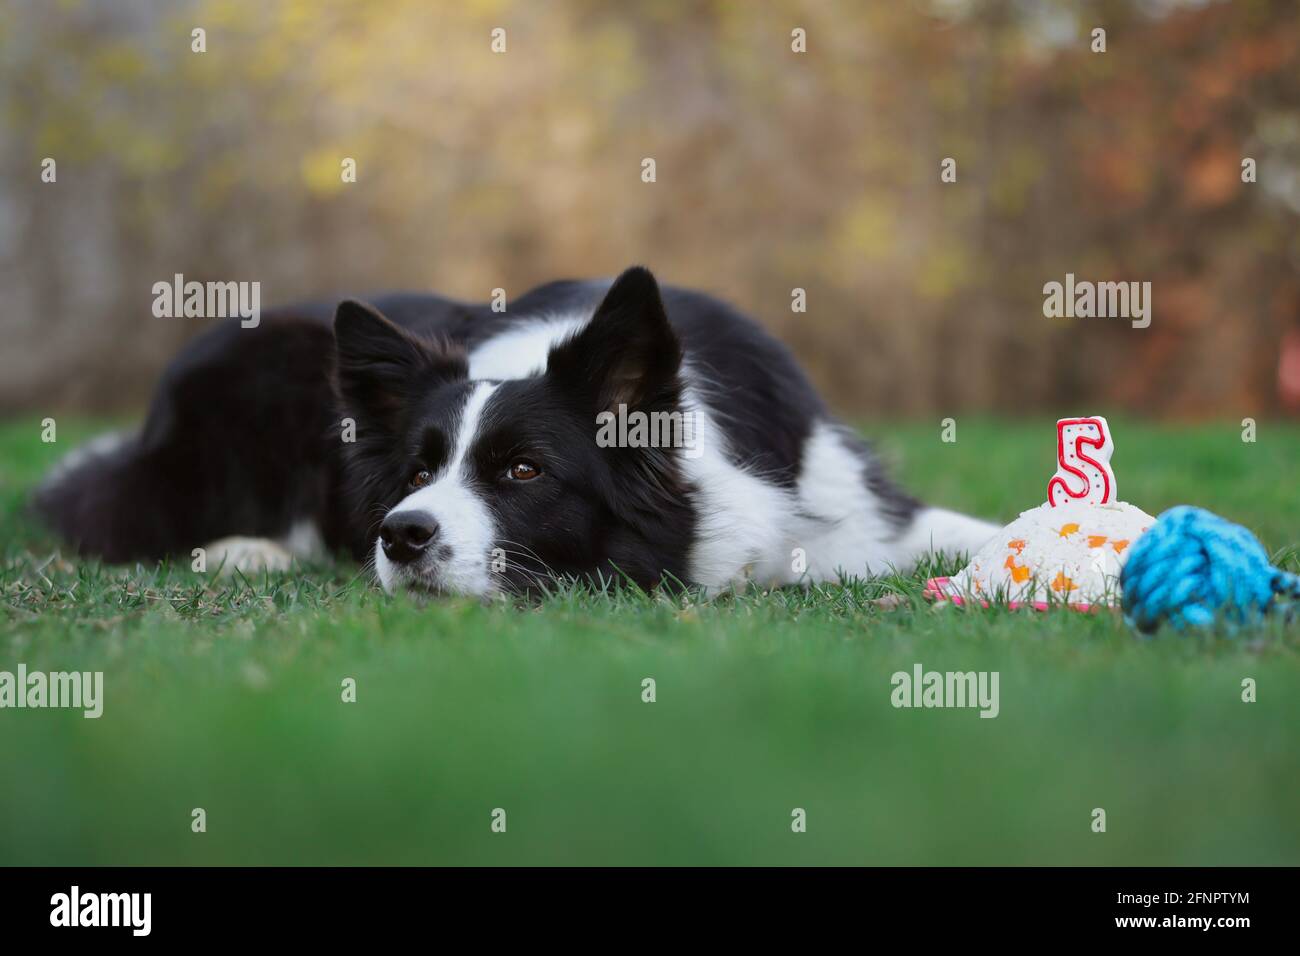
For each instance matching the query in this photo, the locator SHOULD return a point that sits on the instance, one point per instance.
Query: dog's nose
(405, 535)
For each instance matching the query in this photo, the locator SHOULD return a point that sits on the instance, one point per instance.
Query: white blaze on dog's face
(450, 507)
(472, 487)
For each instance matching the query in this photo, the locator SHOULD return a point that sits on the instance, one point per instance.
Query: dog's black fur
(244, 434)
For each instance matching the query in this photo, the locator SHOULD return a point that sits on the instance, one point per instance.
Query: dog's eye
(523, 471)
(420, 479)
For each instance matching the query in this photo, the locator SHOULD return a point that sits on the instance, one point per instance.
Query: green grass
(225, 695)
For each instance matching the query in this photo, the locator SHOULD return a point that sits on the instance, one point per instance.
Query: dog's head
(471, 487)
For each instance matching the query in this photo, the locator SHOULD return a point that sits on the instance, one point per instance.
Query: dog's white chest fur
(748, 528)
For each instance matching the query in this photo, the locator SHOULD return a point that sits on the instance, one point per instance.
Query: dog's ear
(628, 354)
(379, 365)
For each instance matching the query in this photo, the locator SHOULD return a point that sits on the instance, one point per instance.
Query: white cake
(1068, 554)
(1067, 551)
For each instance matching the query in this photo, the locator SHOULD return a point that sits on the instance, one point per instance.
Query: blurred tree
(776, 169)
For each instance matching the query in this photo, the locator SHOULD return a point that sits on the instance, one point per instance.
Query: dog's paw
(247, 555)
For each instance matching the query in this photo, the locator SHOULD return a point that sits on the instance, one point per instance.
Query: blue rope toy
(1193, 569)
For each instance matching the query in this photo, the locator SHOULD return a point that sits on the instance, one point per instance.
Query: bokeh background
(775, 170)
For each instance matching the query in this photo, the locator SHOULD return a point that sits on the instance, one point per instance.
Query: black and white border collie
(456, 446)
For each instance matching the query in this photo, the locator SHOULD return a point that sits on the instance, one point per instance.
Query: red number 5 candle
(1083, 450)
